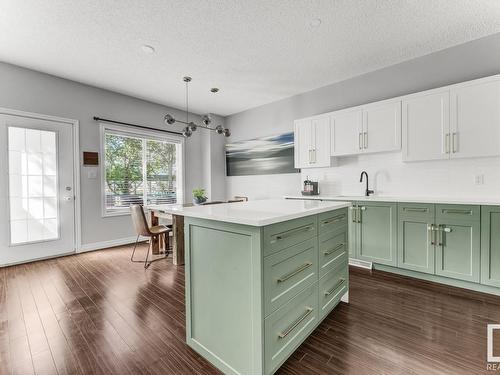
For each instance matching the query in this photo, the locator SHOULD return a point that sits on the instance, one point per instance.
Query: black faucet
(367, 191)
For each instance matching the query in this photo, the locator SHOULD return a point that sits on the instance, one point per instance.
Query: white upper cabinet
(475, 118)
(382, 126)
(312, 142)
(346, 132)
(321, 128)
(426, 125)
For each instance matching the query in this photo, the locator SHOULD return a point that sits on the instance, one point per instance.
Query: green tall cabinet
(373, 232)
(490, 245)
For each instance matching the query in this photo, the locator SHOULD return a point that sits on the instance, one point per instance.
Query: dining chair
(155, 233)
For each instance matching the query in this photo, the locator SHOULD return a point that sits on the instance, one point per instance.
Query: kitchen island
(260, 277)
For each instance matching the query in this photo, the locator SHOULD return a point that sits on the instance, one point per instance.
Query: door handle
(454, 142)
(284, 278)
(67, 199)
(362, 208)
(353, 215)
(430, 229)
(447, 143)
(365, 140)
(360, 141)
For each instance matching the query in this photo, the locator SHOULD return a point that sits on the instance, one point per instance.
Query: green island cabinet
(373, 230)
(440, 239)
(254, 294)
(490, 245)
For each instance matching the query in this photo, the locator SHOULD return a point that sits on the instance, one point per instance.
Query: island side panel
(224, 294)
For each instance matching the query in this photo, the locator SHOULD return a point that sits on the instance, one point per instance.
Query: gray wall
(31, 91)
(468, 61)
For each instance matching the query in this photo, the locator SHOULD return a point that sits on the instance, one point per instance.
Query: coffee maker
(310, 187)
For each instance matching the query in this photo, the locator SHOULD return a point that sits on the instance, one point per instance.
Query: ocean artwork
(265, 155)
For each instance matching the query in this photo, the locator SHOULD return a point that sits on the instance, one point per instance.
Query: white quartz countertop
(486, 201)
(255, 213)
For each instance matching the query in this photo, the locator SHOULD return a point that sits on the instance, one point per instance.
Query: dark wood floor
(97, 313)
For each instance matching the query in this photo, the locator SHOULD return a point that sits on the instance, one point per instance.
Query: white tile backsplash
(388, 175)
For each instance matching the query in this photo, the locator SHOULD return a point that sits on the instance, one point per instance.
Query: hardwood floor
(97, 313)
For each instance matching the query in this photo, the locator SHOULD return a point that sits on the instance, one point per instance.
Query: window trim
(140, 133)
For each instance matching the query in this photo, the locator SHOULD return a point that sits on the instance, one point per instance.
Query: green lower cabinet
(458, 243)
(490, 246)
(376, 235)
(416, 238)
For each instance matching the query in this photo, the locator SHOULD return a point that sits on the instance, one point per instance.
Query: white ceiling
(256, 51)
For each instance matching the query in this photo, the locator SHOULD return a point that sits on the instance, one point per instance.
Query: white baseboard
(360, 263)
(111, 243)
(345, 297)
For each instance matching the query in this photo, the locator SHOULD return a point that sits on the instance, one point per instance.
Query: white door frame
(76, 162)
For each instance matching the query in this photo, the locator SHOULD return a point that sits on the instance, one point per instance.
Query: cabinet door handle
(365, 140)
(335, 219)
(292, 232)
(353, 215)
(447, 143)
(457, 211)
(331, 251)
(360, 141)
(287, 331)
(454, 142)
(339, 283)
(358, 216)
(430, 229)
(284, 278)
(408, 209)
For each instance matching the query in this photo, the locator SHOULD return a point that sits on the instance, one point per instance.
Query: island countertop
(255, 213)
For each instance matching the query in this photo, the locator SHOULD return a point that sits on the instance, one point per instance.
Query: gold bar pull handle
(287, 331)
(293, 232)
(335, 219)
(431, 230)
(454, 142)
(338, 247)
(339, 283)
(284, 278)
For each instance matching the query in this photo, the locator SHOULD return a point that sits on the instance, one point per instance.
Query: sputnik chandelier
(190, 125)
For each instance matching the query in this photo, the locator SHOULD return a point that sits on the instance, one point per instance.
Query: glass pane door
(33, 192)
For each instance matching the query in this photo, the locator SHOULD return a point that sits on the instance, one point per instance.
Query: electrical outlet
(479, 179)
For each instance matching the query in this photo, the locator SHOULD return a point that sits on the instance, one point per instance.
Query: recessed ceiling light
(146, 48)
(315, 22)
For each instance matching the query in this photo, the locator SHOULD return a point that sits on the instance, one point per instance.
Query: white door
(382, 126)
(321, 149)
(426, 126)
(346, 132)
(37, 206)
(475, 119)
(303, 143)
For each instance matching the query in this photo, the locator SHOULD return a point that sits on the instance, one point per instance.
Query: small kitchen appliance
(310, 187)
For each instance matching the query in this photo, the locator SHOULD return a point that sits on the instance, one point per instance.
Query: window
(139, 168)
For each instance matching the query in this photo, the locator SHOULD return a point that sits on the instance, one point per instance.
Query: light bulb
(187, 132)
(219, 129)
(227, 133)
(169, 119)
(192, 126)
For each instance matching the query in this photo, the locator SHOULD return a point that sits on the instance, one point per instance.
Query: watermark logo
(493, 361)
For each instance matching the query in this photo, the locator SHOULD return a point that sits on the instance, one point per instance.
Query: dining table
(168, 212)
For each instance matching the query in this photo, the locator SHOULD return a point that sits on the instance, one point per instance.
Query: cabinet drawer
(282, 235)
(333, 250)
(416, 210)
(289, 271)
(332, 287)
(331, 221)
(287, 327)
(464, 212)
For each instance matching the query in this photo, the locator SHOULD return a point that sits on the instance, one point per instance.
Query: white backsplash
(388, 175)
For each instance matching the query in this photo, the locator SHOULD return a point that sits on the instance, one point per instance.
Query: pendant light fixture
(190, 125)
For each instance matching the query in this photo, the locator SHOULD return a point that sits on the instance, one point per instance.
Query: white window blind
(140, 169)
